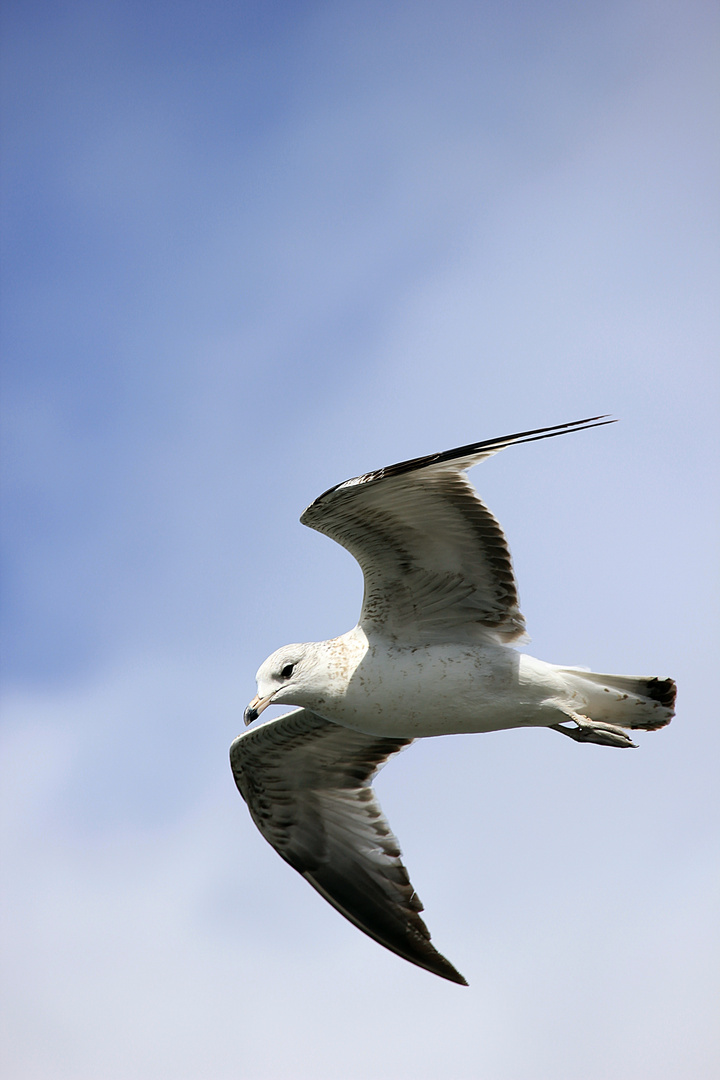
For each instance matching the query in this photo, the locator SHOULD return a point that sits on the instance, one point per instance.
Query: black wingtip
(431, 960)
(455, 977)
(532, 435)
(489, 445)
(559, 429)
(536, 434)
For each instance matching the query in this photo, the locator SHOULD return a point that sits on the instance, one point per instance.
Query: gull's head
(292, 675)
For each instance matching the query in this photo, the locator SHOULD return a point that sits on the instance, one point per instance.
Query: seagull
(432, 654)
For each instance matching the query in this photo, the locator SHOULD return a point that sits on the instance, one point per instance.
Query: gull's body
(415, 691)
(431, 655)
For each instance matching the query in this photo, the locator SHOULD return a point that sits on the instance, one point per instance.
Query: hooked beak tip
(256, 706)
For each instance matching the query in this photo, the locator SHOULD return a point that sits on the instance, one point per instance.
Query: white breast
(440, 689)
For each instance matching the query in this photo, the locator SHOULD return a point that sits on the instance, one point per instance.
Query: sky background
(253, 249)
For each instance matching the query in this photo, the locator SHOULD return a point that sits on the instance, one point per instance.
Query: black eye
(287, 671)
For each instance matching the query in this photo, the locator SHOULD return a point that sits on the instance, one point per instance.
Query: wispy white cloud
(153, 939)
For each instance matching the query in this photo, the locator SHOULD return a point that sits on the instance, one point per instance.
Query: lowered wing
(307, 784)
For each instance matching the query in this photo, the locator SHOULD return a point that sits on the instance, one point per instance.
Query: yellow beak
(256, 706)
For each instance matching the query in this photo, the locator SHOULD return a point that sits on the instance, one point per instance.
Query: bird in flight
(432, 654)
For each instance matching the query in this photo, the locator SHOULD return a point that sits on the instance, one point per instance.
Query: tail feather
(662, 690)
(627, 702)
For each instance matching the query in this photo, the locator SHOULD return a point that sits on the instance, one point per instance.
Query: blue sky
(249, 251)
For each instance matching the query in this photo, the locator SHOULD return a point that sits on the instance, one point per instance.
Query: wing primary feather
(487, 445)
(468, 450)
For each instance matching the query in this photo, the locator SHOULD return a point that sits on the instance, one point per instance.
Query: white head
(293, 675)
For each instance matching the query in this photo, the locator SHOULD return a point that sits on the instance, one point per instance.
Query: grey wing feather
(435, 561)
(307, 785)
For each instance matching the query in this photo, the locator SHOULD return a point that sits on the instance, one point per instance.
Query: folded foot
(593, 731)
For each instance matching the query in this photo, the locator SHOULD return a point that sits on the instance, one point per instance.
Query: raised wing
(307, 784)
(436, 563)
